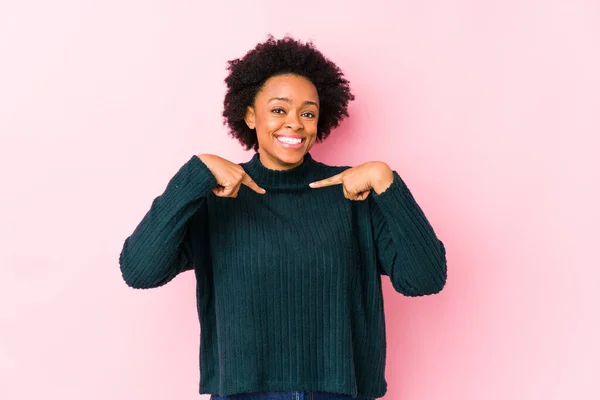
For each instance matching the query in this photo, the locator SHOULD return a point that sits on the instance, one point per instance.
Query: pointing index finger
(246, 180)
(333, 180)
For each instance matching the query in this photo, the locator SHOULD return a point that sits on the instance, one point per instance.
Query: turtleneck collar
(294, 178)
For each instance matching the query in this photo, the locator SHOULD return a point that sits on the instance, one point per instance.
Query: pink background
(489, 110)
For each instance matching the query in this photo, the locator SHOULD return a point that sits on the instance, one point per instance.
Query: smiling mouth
(290, 140)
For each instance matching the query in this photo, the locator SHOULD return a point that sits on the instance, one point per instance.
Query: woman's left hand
(358, 181)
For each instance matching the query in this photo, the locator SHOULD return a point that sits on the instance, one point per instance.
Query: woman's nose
(293, 122)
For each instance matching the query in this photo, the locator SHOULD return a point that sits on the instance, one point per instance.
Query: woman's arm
(159, 247)
(408, 250)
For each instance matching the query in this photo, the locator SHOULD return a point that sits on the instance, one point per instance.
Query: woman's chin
(290, 158)
(283, 157)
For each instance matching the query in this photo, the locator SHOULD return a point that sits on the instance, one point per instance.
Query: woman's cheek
(273, 125)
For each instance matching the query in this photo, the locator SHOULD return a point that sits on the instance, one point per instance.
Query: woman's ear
(249, 117)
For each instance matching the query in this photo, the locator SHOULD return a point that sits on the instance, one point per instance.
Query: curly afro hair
(273, 57)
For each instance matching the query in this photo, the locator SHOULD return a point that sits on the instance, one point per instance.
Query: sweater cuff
(193, 180)
(396, 193)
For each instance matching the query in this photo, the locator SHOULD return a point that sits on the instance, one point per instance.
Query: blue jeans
(287, 396)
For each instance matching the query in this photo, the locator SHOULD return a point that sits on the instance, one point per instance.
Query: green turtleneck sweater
(289, 282)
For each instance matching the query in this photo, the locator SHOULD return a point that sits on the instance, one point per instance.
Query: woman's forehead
(293, 88)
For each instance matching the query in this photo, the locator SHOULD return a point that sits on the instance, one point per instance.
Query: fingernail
(311, 184)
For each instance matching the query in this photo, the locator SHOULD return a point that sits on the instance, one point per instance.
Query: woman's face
(285, 115)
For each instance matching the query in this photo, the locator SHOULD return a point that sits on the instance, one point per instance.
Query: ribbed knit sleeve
(408, 250)
(159, 247)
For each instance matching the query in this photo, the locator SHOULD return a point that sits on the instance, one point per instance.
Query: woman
(287, 251)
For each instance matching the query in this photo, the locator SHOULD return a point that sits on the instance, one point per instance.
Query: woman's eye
(309, 115)
(278, 111)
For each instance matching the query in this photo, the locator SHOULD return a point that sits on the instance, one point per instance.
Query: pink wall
(489, 110)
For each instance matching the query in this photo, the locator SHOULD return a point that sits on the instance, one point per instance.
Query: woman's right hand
(229, 176)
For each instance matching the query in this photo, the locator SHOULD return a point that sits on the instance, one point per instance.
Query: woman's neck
(296, 177)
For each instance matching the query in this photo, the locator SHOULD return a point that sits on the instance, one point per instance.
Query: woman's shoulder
(331, 168)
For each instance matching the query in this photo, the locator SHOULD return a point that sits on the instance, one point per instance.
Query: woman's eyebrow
(289, 101)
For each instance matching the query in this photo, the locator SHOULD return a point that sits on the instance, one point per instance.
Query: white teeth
(289, 140)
